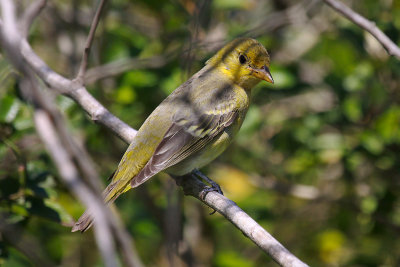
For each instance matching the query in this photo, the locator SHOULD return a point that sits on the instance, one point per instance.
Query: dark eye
(242, 59)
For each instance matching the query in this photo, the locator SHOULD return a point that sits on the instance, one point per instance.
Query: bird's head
(245, 61)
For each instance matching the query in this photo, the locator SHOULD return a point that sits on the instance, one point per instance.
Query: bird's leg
(214, 186)
(196, 174)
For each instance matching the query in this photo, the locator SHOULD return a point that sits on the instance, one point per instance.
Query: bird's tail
(84, 222)
(110, 194)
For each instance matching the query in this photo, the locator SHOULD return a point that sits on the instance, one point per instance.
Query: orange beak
(263, 74)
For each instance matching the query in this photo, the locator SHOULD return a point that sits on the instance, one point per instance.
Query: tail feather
(110, 194)
(84, 222)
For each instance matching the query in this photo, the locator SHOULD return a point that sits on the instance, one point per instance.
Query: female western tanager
(195, 123)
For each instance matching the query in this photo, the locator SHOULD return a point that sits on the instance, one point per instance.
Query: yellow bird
(195, 123)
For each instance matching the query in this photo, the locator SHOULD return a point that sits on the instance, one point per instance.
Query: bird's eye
(242, 59)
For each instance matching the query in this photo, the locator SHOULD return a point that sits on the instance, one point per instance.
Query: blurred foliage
(316, 162)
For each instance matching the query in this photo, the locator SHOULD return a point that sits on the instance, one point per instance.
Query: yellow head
(245, 61)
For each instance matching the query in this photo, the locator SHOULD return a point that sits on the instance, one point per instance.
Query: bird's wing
(185, 137)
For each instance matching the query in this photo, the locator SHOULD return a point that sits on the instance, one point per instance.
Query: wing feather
(184, 138)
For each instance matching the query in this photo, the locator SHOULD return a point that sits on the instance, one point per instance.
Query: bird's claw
(214, 187)
(208, 189)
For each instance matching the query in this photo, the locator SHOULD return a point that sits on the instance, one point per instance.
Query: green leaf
(232, 259)
(252, 121)
(282, 78)
(369, 204)
(352, 108)
(356, 81)
(372, 142)
(172, 82)
(125, 95)
(330, 244)
(63, 216)
(9, 107)
(139, 78)
(388, 125)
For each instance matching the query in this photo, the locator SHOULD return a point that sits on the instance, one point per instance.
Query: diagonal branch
(97, 111)
(30, 14)
(10, 39)
(85, 57)
(119, 66)
(367, 25)
(100, 114)
(68, 172)
(66, 154)
(249, 227)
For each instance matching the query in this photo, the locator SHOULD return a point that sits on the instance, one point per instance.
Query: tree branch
(66, 154)
(10, 39)
(367, 25)
(122, 65)
(100, 114)
(30, 14)
(82, 69)
(69, 173)
(97, 111)
(250, 228)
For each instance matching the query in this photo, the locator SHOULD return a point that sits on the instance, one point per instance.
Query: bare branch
(9, 25)
(77, 92)
(271, 22)
(59, 83)
(122, 65)
(63, 149)
(69, 173)
(10, 39)
(126, 243)
(30, 14)
(82, 69)
(194, 187)
(83, 98)
(367, 25)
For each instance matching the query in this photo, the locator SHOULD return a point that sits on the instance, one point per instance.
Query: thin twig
(82, 69)
(10, 38)
(367, 25)
(52, 131)
(97, 111)
(129, 252)
(91, 105)
(69, 173)
(30, 14)
(119, 66)
(79, 93)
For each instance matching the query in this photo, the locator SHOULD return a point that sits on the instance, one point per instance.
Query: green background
(316, 162)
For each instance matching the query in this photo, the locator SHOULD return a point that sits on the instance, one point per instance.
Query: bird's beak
(263, 74)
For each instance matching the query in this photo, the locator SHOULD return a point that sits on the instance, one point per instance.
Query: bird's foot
(214, 187)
